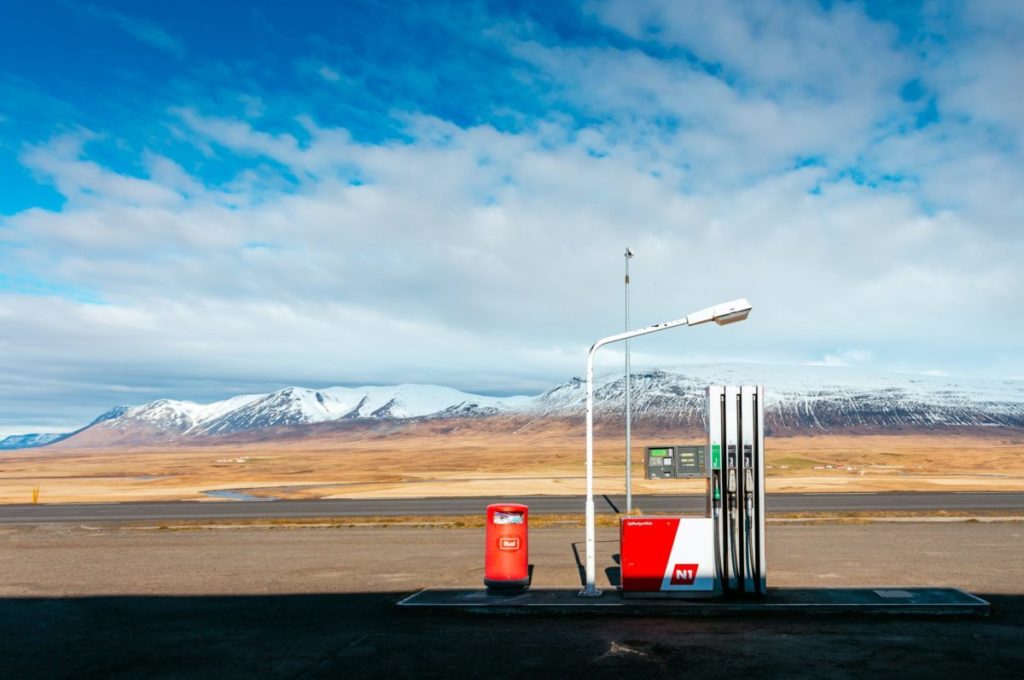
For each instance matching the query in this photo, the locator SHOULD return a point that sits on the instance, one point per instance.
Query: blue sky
(200, 199)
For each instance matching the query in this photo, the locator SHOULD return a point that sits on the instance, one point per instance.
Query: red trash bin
(506, 558)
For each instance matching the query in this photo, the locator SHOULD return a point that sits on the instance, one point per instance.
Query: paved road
(781, 502)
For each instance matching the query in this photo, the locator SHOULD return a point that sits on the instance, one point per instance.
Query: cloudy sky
(200, 199)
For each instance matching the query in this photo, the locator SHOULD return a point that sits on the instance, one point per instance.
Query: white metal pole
(590, 589)
(728, 312)
(629, 419)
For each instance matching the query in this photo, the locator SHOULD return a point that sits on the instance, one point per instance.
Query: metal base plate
(882, 600)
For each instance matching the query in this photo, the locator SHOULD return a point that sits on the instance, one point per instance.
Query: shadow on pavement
(577, 549)
(357, 635)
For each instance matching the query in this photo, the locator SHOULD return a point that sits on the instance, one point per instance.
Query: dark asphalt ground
(778, 503)
(362, 636)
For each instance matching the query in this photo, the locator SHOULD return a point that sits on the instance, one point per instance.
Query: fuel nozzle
(716, 492)
(730, 488)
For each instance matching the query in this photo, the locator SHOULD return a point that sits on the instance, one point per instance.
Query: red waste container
(506, 559)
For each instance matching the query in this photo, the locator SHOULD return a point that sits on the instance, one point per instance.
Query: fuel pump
(752, 441)
(735, 416)
(721, 553)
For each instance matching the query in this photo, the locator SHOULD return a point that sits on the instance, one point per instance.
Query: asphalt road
(369, 507)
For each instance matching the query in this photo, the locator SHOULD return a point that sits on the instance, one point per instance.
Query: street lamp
(629, 420)
(723, 314)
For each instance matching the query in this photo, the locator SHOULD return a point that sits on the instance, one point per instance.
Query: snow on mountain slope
(414, 401)
(803, 397)
(29, 441)
(301, 405)
(202, 413)
(174, 416)
(290, 406)
(798, 399)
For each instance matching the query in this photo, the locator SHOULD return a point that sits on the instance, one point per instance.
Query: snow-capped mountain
(29, 441)
(803, 398)
(168, 419)
(798, 399)
(32, 441)
(299, 405)
(179, 417)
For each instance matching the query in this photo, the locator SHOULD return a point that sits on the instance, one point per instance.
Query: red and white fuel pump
(722, 552)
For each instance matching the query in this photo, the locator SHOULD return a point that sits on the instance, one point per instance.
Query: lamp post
(629, 420)
(725, 313)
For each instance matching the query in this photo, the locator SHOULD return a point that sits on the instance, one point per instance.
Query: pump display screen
(691, 460)
(675, 462)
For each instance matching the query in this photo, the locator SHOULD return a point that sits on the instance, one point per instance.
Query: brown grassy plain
(477, 458)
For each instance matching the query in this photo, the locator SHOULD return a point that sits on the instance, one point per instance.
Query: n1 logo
(684, 574)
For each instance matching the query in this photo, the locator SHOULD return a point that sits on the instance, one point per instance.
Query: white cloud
(490, 260)
(328, 74)
(978, 68)
(787, 48)
(504, 238)
(314, 70)
(143, 30)
(84, 181)
(714, 132)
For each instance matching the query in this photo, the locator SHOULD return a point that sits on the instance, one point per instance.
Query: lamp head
(629, 253)
(723, 314)
(731, 312)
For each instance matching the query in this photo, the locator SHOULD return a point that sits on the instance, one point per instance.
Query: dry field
(471, 461)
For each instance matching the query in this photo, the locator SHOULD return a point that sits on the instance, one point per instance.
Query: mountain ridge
(799, 399)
